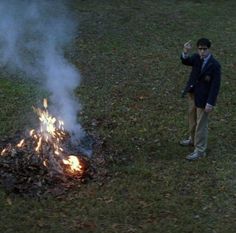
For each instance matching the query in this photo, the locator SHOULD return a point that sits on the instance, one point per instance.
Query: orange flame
(49, 140)
(3, 151)
(20, 144)
(74, 163)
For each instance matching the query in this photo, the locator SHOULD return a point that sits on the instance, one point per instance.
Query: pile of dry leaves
(22, 171)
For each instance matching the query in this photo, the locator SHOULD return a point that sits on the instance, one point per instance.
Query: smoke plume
(33, 36)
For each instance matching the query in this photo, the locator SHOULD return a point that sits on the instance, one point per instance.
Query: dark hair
(204, 42)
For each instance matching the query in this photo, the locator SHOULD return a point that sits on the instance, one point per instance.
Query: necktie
(201, 65)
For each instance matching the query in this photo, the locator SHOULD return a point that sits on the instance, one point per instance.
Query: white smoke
(33, 36)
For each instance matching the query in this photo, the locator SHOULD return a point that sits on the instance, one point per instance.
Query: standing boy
(202, 89)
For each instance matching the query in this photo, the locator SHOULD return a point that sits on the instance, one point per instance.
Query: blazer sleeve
(215, 85)
(189, 60)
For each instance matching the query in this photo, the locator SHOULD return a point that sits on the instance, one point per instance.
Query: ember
(74, 164)
(42, 157)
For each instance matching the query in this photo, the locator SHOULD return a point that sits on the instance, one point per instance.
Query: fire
(50, 127)
(48, 143)
(3, 151)
(74, 163)
(20, 143)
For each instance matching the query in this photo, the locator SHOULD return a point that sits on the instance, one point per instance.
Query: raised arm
(185, 56)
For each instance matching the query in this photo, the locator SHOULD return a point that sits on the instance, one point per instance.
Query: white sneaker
(195, 155)
(186, 142)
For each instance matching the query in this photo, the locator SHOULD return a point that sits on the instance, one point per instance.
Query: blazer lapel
(207, 65)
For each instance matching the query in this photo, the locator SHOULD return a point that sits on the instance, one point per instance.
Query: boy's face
(203, 51)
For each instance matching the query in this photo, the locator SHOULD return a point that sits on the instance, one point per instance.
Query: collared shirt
(206, 59)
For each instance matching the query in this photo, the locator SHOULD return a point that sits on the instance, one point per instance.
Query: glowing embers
(74, 165)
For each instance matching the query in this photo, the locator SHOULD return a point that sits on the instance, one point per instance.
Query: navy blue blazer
(205, 83)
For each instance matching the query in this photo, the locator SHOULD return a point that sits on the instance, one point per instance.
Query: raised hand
(187, 47)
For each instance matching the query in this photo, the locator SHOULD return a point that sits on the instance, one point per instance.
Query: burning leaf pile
(43, 160)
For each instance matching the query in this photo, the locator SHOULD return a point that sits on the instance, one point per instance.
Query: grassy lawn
(128, 55)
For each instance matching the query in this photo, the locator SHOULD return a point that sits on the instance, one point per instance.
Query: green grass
(128, 55)
(17, 98)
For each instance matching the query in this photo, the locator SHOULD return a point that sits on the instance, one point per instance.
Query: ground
(128, 56)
